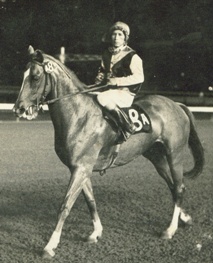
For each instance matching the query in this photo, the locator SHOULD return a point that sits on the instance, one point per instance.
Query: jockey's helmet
(121, 26)
(117, 26)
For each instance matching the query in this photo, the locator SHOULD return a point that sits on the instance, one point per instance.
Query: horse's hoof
(48, 255)
(165, 235)
(189, 222)
(93, 239)
(186, 219)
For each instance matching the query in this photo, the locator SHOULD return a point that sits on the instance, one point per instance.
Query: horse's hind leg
(89, 197)
(175, 161)
(157, 155)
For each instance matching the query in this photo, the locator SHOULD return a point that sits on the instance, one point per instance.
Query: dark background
(174, 38)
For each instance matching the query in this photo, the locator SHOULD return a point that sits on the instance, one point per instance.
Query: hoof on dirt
(48, 255)
(92, 240)
(186, 219)
(189, 222)
(165, 235)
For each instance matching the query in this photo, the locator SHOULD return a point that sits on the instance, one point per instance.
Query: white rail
(9, 106)
(201, 109)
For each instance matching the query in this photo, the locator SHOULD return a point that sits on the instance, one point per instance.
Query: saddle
(140, 119)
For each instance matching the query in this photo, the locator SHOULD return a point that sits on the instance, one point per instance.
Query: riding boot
(127, 127)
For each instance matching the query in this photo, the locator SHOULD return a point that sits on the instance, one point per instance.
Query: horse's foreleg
(89, 197)
(77, 181)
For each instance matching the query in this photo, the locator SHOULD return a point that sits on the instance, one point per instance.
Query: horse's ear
(30, 50)
(38, 56)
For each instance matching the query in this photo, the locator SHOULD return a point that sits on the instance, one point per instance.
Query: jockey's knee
(106, 102)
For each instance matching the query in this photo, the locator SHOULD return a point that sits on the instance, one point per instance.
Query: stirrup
(131, 128)
(127, 133)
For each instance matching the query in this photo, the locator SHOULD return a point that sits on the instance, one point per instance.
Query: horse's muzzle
(30, 113)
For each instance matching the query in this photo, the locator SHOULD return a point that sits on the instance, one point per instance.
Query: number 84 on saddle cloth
(139, 118)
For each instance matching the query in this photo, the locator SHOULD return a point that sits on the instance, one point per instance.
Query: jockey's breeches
(116, 97)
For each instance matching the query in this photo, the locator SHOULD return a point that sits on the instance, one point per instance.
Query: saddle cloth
(139, 117)
(136, 114)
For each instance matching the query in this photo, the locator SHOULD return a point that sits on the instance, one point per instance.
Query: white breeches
(116, 97)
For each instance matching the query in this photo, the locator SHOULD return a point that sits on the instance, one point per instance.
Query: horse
(86, 142)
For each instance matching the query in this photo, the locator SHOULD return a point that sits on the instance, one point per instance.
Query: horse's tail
(195, 146)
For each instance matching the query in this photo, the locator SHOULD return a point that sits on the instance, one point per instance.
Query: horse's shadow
(41, 206)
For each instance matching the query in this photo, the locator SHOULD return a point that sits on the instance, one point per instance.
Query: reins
(89, 91)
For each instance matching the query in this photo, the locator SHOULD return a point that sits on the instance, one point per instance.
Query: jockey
(122, 70)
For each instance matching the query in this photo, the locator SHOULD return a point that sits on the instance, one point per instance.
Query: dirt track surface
(134, 205)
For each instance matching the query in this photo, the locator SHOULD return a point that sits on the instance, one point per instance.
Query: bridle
(48, 69)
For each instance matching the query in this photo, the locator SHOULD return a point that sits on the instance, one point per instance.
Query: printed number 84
(138, 120)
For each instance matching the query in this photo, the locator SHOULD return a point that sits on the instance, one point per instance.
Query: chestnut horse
(85, 141)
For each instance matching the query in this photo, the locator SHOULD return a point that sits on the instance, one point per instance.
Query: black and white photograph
(106, 119)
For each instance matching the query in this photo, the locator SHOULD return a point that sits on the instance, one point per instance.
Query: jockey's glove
(99, 78)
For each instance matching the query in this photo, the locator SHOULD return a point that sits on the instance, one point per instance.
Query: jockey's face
(118, 38)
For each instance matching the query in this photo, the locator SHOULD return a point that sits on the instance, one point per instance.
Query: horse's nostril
(21, 110)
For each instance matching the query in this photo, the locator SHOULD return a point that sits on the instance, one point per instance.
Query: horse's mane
(68, 72)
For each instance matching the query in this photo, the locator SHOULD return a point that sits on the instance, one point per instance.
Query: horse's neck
(62, 80)
(71, 115)
(70, 106)
(64, 85)
(68, 103)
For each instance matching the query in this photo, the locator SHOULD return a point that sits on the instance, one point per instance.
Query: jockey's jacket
(126, 67)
